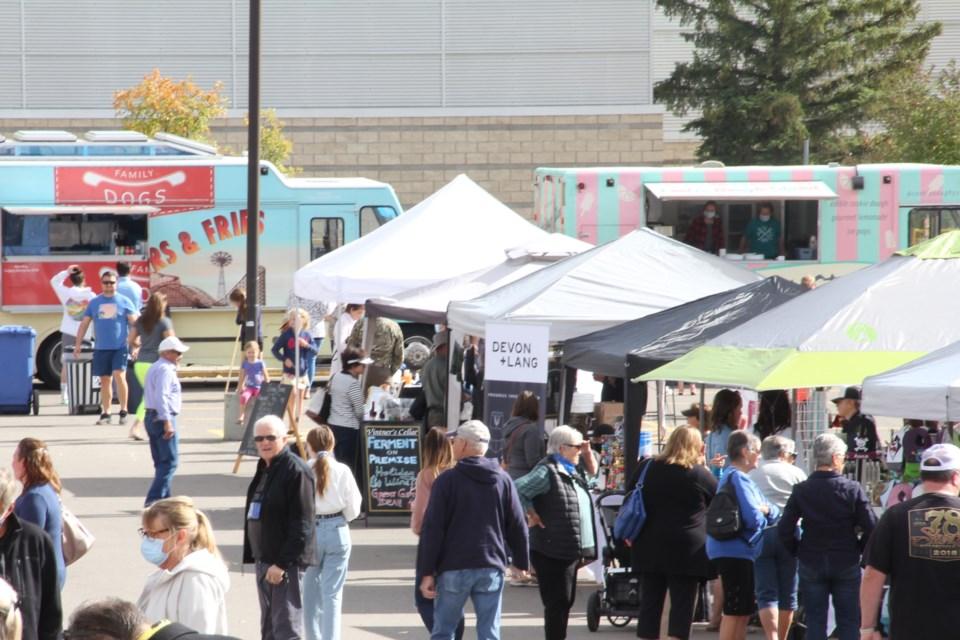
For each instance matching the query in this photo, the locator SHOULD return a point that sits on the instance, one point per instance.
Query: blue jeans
(425, 605)
(483, 586)
(312, 362)
(165, 455)
(323, 582)
(821, 581)
(775, 574)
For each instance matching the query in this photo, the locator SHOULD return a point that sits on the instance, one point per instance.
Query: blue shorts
(775, 574)
(106, 361)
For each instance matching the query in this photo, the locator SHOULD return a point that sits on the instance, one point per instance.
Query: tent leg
(562, 409)
(454, 394)
(703, 398)
(661, 410)
(634, 408)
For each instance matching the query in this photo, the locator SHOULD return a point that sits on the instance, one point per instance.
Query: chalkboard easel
(391, 463)
(274, 400)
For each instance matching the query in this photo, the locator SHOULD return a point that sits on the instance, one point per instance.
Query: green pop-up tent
(861, 324)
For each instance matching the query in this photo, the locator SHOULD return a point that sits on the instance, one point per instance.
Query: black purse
(723, 514)
(418, 408)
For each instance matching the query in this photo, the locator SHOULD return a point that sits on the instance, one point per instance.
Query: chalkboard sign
(272, 401)
(391, 462)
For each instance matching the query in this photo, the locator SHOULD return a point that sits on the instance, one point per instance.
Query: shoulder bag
(633, 514)
(76, 539)
(723, 514)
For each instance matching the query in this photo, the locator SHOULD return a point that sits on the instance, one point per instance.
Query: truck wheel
(48, 361)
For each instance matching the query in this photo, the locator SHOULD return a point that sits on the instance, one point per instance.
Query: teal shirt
(763, 237)
(537, 483)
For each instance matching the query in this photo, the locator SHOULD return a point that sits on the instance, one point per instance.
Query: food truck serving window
(64, 232)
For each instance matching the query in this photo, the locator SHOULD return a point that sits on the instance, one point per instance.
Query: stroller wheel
(593, 611)
(619, 621)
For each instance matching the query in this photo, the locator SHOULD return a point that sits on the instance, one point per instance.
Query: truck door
(324, 228)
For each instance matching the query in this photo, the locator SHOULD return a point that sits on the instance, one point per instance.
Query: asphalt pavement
(106, 475)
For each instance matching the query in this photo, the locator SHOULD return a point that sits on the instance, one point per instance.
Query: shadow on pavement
(194, 485)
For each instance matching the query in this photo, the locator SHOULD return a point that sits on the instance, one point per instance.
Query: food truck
(832, 218)
(175, 210)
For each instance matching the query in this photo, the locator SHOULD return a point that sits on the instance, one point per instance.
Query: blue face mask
(152, 551)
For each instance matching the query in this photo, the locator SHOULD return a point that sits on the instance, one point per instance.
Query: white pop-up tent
(927, 388)
(429, 304)
(459, 229)
(641, 273)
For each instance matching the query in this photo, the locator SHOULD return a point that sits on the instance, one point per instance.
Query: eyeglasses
(146, 533)
(572, 446)
(270, 438)
(108, 282)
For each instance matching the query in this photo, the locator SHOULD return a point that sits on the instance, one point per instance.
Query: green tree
(275, 146)
(918, 119)
(767, 74)
(159, 104)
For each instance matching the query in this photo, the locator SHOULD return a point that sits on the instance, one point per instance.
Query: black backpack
(723, 514)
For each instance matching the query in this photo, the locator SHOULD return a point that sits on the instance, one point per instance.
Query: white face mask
(709, 214)
(764, 217)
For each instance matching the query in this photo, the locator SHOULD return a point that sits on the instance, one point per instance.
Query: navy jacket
(473, 521)
(834, 510)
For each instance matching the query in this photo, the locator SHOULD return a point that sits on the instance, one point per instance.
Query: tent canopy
(459, 229)
(657, 339)
(641, 273)
(926, 389)
(861, 324)
(429, 304)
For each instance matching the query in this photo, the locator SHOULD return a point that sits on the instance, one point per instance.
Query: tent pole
(562, 409)
(703, 413)
(661, 410)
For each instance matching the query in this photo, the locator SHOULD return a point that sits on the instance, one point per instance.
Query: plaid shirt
(697, 233)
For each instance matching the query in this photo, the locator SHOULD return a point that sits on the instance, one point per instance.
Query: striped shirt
(346, 401)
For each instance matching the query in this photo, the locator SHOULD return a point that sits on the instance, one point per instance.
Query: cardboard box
(608, 412)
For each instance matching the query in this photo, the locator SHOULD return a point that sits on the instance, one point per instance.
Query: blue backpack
(633, 514)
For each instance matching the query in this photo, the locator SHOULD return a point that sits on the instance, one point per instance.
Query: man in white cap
(473, 526)
(917, 545)
(161, 396)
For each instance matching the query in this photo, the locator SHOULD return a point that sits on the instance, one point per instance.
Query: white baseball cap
(473, 431)
(172, 343)
(940, 457)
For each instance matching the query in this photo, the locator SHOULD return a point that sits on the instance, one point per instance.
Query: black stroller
(619, 598)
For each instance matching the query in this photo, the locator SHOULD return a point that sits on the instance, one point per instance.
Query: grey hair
(775, 446)
(275, 423)
(9, 489)
(825, 446)
(738, 441)
(11, 621)
(562, 435)
(110, 619)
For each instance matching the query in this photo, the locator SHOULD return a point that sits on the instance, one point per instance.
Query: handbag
(723, 514)
(418, 408)
(319, 408)
(76, 539)
(633, 514)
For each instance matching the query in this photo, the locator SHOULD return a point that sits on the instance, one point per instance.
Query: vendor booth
(927, 388)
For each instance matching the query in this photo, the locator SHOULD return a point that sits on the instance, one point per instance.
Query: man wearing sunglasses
(280, 529)
(112, 316)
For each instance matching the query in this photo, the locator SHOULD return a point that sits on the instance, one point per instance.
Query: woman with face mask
(191, 581)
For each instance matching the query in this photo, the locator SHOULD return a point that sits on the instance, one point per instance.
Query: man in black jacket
(279, 531)
(28, 563)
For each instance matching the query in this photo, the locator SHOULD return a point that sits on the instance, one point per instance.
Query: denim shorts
(775, 574)
(106, 361)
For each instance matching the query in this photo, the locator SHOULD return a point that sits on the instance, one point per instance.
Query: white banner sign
(517, 352)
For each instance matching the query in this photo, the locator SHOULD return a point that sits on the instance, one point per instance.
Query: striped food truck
(832, 218)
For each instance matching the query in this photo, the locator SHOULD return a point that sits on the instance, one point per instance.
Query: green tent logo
(861, 332)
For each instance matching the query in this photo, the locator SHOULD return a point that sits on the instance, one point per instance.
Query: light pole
(253, 173)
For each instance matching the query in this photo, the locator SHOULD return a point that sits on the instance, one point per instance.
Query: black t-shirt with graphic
(863, 443)
(917, 544)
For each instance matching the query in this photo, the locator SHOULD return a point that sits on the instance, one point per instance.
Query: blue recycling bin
(18, 346)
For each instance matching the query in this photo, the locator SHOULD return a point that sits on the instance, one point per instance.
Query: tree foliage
(274, 144)
(767, 74)
(919, 119)
(159, 104)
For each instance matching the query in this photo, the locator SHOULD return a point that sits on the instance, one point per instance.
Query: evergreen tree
(766, 74)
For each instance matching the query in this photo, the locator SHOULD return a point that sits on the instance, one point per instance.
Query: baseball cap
(940, 457)
(172, 343)
(473, 431)
(850, 393)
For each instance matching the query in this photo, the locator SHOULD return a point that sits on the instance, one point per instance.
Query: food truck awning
(117, 210)
(741, 191)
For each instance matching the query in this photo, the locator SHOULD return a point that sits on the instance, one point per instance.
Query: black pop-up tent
(649, 342)
(638, 346)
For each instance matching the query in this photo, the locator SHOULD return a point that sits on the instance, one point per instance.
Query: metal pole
(806, 151)
(253, 172)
